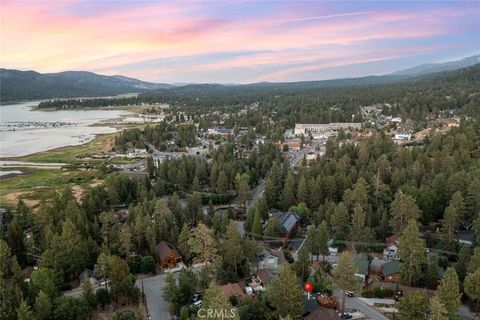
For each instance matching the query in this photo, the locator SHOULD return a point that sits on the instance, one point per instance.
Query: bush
(378, 292)
(149, 265)
(103, 297)
(126, 314)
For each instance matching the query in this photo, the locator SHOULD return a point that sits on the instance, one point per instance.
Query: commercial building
(302, 128)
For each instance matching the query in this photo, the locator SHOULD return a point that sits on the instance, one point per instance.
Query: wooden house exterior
(167, 255)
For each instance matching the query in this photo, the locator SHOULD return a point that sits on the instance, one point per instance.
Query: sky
(235, 41)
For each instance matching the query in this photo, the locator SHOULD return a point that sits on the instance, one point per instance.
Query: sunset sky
(235, 41)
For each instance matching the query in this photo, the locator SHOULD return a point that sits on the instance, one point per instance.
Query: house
(466, 238)
(235, 290)
(267, 260)
(265, 276)
(167, 255)
(288, 221)
(87, 273)
(391, 248)
(361, 263)
(390, 271)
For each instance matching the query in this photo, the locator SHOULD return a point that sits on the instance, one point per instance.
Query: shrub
(103, 297)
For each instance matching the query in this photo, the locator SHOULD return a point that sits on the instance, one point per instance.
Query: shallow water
(23, 131)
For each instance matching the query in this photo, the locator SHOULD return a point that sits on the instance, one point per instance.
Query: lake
(24, 131)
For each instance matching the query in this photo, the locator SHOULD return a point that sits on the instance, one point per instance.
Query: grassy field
(71, 154)
(38, 184)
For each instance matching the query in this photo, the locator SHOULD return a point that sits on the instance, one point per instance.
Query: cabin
(234, 290)
(167, 256)
(390, 271)
(288, 222)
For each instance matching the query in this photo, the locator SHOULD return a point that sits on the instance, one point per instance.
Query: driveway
(156, 305)
(357, 304)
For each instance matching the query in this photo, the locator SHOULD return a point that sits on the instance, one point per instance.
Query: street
(156, 304)
(357, 304)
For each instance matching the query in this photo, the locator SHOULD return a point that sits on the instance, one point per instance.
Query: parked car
(345, 315)
(349, 293)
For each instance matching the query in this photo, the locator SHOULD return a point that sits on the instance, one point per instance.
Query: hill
(439, 67)
(16, 85)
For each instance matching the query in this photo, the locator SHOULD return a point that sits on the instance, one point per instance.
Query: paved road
(156, 304)
(357, 304)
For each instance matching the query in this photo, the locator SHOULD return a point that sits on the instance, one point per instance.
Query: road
(156, 304)
(357, 304)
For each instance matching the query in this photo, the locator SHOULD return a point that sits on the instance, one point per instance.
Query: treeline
(318, 102)
(161, 136)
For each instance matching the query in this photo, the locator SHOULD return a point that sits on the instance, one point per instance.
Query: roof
(265, 276)
(392, 240)
(165, 249)
(361, 262)
(86, 273)
(287, 220)
(391, 267)
(232, 290)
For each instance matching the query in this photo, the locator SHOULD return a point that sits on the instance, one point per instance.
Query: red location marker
(308, 287)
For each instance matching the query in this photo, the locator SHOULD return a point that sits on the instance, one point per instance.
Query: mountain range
(16, 85)
(438, 67)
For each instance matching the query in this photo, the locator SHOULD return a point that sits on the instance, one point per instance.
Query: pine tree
(474, 263)
(302, 193)
(344, 277)
(43, 306)
(203, 244)
(24, 312)
(4, 257)
(411, 251)
(340, 222)
(233, 253)
(413, 306)
(183, 242)
(303, 263)
(288, 194)
(448, 292)
(214, 299)
(88, 294)
(472, 286)
(222, 183)
(323, 239)
(257, 223)
(273, 185)
(170, 293)
(285, 295)
(243, 188)
(312, 241)
(403, 209)
(437, 310)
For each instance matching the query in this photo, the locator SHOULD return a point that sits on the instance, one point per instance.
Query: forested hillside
(320, 101)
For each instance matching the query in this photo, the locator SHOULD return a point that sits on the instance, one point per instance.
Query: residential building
(167, 256)
(391, 248)
(288, 221)
(361, 263)
(390, 271)
(235, 290)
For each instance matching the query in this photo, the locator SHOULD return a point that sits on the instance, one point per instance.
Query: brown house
(390, 271)
(234, 290)
(167, 255)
